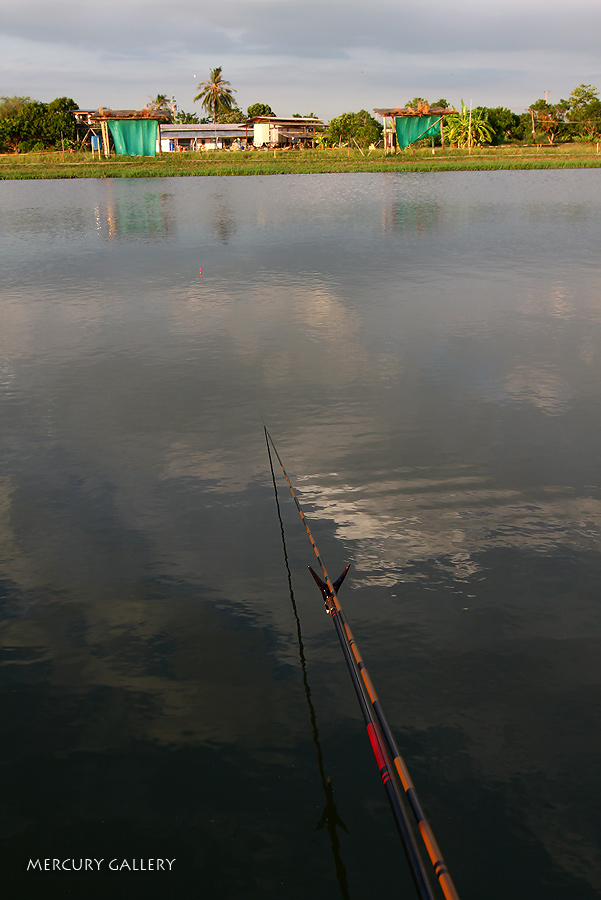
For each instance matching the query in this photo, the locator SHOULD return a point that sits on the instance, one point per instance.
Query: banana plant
(462, 132)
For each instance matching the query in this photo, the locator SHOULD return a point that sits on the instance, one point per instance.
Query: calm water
(426, 352)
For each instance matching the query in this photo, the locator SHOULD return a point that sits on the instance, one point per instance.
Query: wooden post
(159, 136)
(385, 118)
(104, 128)
(442, 132)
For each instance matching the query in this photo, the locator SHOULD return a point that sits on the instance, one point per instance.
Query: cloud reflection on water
(433, 390)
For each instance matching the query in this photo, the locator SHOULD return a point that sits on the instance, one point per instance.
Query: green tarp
(413, 128)
(134, 137)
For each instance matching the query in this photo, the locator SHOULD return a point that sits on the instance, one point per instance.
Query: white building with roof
(176, 138)
(274, 131)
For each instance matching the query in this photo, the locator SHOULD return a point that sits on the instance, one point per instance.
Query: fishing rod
(330, 818)
(374, 732)
(379, 732)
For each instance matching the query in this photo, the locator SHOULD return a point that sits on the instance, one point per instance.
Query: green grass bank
(300, 162)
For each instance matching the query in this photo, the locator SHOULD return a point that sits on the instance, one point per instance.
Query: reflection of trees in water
(330, 818)
(223, 220)
(412, 217)
(149, 216)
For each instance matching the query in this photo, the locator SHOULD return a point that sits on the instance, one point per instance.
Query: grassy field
(280, 162)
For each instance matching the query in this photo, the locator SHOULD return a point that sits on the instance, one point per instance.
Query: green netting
(134, 137)
(413, 128)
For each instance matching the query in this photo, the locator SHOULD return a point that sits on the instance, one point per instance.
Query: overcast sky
(321, 56)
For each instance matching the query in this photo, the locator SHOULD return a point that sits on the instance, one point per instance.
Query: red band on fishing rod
(375, 746)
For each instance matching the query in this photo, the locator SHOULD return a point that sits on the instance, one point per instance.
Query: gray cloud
(339, 55)
(304, 30)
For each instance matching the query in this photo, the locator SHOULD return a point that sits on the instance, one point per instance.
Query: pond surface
(425, 350)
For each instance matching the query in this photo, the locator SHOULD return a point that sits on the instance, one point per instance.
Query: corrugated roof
(422, 110)
(206, 131)
(293, 120)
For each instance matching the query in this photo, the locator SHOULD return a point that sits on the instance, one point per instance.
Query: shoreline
(304, 162)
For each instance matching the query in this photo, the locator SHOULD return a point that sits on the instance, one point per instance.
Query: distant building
(262, 131)
(273, 131)
(176, 138)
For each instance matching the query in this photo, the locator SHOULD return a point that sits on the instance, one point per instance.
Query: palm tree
(215, 93)
(161, 101)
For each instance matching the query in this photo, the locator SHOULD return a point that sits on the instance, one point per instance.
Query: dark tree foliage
(421, 101)
(27, 128)
(186, 118)
(233, 116)
(10, 106)
(61, 120)
(505, 125)
(584, 112)
(577, 118)
(259, 109)
(355, 129)
(417, 101)
(38, 125)
(549, 119)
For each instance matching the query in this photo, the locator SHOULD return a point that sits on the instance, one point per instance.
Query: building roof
(205, 128)
(286, 122)
(206, 131)
(423, 109)
(102, 113)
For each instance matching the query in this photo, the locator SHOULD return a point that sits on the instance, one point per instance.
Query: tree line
(576, 119)
(27, 124)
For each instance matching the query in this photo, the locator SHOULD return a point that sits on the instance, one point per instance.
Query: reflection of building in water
(146, 216)
(412, 217)
(223, 220)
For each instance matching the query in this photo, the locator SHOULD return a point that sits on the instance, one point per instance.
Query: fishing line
(379, 732)
(330, 818)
